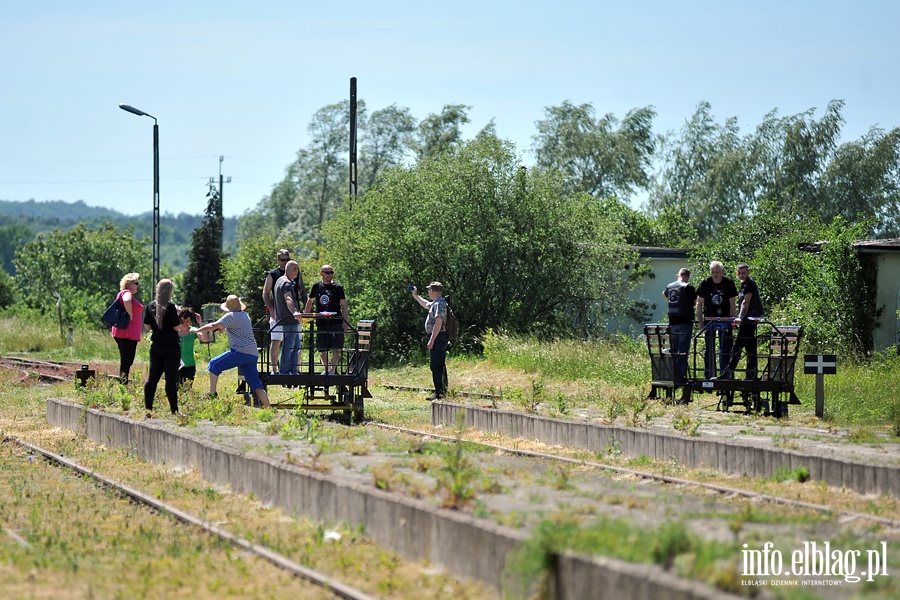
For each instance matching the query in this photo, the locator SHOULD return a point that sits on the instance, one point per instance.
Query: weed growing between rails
(458, 475)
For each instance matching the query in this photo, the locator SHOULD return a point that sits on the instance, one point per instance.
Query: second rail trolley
(768, 390)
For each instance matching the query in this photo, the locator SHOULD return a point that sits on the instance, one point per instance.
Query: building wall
(888, 299)
(664, 270)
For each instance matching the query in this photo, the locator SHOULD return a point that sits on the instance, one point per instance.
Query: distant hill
(20, 222)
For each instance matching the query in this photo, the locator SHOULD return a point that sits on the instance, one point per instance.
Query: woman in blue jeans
(242, 351)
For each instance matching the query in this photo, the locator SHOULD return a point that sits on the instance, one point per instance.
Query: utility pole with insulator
(217, 195)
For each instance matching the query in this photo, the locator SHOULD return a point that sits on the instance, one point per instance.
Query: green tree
(11, 237)
(704, 175)
(202, 278)
(808, 273)
(83, 265)
(862, 181)
(315, 184)
(244, 272)
(7, 289)
(386, 140)
(716, 176)
(513, 250)
(441, 132)
(600, 156)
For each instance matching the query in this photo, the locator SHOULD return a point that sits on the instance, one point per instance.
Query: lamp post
(141, 113)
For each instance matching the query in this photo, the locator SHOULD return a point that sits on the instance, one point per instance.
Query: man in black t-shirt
(681, 298)
(750, 306)
(715, 299)
(329, 297)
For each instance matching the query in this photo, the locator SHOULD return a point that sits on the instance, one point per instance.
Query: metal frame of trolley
(769, 390)
(342, 392)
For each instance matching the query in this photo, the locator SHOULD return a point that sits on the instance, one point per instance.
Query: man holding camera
(436, 328)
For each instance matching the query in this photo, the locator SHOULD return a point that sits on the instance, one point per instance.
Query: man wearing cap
(329, 298)
(286, 304)
(436, 328)
(241, 351)
(283, 256)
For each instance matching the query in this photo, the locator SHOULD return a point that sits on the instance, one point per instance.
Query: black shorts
(330, 338)
(186, 374)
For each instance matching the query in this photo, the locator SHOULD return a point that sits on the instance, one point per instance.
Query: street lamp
(141, 113)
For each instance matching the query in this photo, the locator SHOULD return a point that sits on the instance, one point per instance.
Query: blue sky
(242, 79)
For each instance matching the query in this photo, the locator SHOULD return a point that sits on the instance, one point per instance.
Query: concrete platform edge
(729, 456)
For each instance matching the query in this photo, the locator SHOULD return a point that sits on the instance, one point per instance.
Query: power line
(97, 181)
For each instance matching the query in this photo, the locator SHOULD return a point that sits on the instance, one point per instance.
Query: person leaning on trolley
(329, 297)
(751, 305)
(241, 351)
(283, 256)
(286, 304)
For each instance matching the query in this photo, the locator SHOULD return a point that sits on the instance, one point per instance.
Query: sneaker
(725, 375)
(148, 415)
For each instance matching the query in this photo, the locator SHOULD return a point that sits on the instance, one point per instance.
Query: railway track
(47, 371)
(665, 479)
(339, 589)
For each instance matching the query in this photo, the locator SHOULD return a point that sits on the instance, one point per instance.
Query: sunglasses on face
(327, 272)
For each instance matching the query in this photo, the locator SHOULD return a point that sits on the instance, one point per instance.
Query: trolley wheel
(358, 407)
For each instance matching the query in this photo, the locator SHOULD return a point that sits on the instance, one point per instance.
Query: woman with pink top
(128, 337)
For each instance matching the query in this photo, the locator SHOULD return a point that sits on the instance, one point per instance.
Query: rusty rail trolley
(769, 390)
(343, 392)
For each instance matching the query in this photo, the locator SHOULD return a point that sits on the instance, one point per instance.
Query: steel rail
(721, 489)
(340, 589)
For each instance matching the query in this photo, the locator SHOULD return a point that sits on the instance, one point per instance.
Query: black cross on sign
(820, 364)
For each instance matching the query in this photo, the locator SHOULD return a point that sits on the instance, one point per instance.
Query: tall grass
(620, 361)
(861, 393)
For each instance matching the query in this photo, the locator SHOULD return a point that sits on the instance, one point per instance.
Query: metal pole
(820, 395)
(155, 209)
(220, 204)
(140, 113)
(352, 137)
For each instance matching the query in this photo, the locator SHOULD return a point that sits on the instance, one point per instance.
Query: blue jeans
(680, 335)
(290, 350)
(231, 359)
(722, 333)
